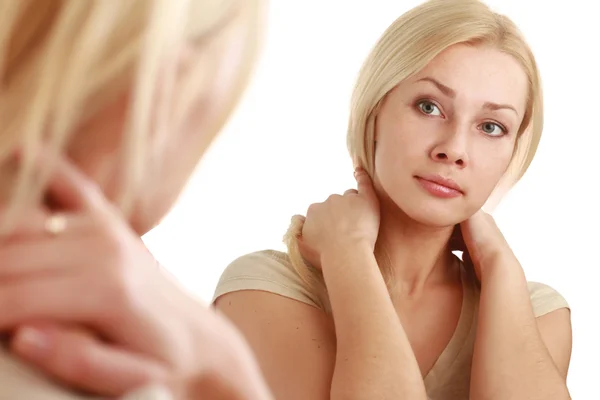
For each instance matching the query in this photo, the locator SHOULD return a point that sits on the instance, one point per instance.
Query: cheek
(96, 144)
(490, 165)
(400, 149)
(401, 142)
(186, 143)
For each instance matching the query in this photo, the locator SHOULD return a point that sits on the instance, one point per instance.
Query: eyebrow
(448, 91)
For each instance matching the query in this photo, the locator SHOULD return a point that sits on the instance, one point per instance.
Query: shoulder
(554, 323)
(268, 271)
(545, 299)
(290, 335)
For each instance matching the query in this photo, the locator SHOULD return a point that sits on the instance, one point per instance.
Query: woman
(106, 108)
(370, 301)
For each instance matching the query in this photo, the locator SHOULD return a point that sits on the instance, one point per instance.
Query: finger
(24, 257)
(57, 298)
(305, 250)
(31, 222)
(40, 225)
(364, 183)
(80, 360)
(351, 191)
(68, 188)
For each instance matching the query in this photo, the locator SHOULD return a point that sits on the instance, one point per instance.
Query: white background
(285, 148)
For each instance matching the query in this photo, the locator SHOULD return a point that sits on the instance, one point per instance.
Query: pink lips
(439, 186)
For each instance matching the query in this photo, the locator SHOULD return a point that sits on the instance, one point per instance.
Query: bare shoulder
(293, 340)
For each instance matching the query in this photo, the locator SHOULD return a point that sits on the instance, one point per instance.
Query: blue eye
(493, 129)
(429, 108)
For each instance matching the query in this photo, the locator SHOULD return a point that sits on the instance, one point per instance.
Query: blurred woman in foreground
(106, 107)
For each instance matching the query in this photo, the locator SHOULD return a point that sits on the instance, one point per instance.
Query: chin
(141, 225)
(433, 212)
(434, 216)
(147, 216)
(424, 208)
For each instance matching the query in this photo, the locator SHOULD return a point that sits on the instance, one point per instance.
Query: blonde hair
(63, 60)
(405, 48)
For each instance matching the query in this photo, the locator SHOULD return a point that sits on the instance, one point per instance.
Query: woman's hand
(482, 243)
(78, 358)
(84, 270)
(507, 325)
(341, 221)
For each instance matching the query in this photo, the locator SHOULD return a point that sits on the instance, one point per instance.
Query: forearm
(510, 360)
(374, 357)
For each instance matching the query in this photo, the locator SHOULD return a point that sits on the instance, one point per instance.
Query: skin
(154, 332)
(97, 141)
(422, 128)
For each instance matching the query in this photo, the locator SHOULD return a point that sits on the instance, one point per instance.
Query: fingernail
(357, 170)
(33, 341)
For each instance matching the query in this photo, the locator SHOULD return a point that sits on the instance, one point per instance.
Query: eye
(493, 129)
(429, 108)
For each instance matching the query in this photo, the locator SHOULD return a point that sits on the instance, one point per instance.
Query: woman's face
(445, 137)
(95, 148)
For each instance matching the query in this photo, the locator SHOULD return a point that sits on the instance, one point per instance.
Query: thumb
(364, 184)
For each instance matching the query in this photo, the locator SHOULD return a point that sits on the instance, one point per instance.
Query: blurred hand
(83, 270)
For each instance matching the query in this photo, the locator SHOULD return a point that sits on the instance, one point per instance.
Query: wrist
(503, 264)
(351, 269)
(340, 250)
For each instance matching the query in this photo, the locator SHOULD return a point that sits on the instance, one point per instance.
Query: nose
(451, 149)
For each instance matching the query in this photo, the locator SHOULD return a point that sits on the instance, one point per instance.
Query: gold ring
(55, 224)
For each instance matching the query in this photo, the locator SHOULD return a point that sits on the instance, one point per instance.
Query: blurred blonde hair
(63, 60)
(405, 48)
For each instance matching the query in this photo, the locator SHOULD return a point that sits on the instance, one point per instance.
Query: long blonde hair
(405, 48)
(63, 60)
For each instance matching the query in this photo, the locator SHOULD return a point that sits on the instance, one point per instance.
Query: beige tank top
(449, 378)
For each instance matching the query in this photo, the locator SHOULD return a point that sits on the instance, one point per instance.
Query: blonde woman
(370, 302)
(106, 107)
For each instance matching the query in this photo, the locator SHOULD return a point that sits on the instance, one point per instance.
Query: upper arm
(555, 329)
(293, 342)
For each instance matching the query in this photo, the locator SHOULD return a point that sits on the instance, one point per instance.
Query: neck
(418, 255)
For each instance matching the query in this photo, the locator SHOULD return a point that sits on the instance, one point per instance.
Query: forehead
(479, 74)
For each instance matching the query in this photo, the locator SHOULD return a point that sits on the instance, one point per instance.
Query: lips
(440, 180)
(439, 187)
